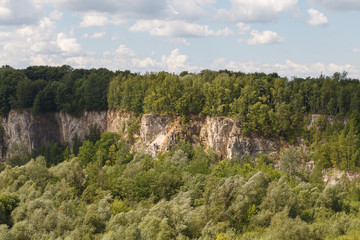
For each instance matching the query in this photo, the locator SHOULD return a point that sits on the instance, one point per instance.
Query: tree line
(50, 89)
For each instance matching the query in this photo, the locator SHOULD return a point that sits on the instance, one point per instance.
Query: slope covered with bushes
(106, 192)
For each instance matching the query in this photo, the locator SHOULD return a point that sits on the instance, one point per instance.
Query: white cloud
(5, 36)
(177, 28)
(128, 9)
(94, 35)
(175, 62)
(126, 58)
(337, 5)
(288, 68)
(5, 13)
(265, 37)
(255, 10)
(243, 28)
(137, 9)
(94, 19)
(56, 15)
(145, 63)
(37, 44)
(18, 12)
(181, 41)
(22, 45)
(332, 67)
(205, 2)
(188, 9)
(69, 46)
(41, 45)
(218, 63)
(356, 50)
(42, 59)
(121, 58)
(115, 37)
(316, 18)
(124, 52)
(81, 61)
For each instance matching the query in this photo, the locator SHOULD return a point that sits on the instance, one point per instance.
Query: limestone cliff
(155, 132)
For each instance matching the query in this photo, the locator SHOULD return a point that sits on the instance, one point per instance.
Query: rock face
(70, 126)
(158, 133)
(155, 132)
(223, 134)
(30, 130)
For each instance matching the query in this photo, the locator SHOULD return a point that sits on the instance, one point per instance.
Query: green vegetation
(98, 189)
(106, 192)
(50, 89)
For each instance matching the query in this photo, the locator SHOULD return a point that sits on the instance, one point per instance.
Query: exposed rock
(117, 122)
(31, 130)
(215, 133)
(310, 166)
(36, 130)
(71, 126)
(314, 120)
(222, 134)
(157, 132)
(2, 143)
(333, 175)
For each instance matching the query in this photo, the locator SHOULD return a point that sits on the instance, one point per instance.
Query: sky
(295, 38)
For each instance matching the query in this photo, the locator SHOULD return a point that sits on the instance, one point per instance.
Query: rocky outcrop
(333, 175)
(118, 122)
(30, 130)
(71, 126)
(318, 119)
(156, 132)
(222, 134)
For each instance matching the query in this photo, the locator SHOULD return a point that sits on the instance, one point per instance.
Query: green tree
(86, 152)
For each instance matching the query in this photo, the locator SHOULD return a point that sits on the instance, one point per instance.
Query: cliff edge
(155, 132)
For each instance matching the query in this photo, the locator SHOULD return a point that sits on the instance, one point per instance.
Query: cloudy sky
(291, 37)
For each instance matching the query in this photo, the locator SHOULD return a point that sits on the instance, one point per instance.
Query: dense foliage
(50, 89)
(106, 192)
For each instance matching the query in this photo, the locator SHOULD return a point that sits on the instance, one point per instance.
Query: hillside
(108, 192)
(95, 154)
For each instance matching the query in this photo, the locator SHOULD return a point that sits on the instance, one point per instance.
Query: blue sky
(291, 37)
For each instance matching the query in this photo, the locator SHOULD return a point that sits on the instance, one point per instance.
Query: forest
(99, 189)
